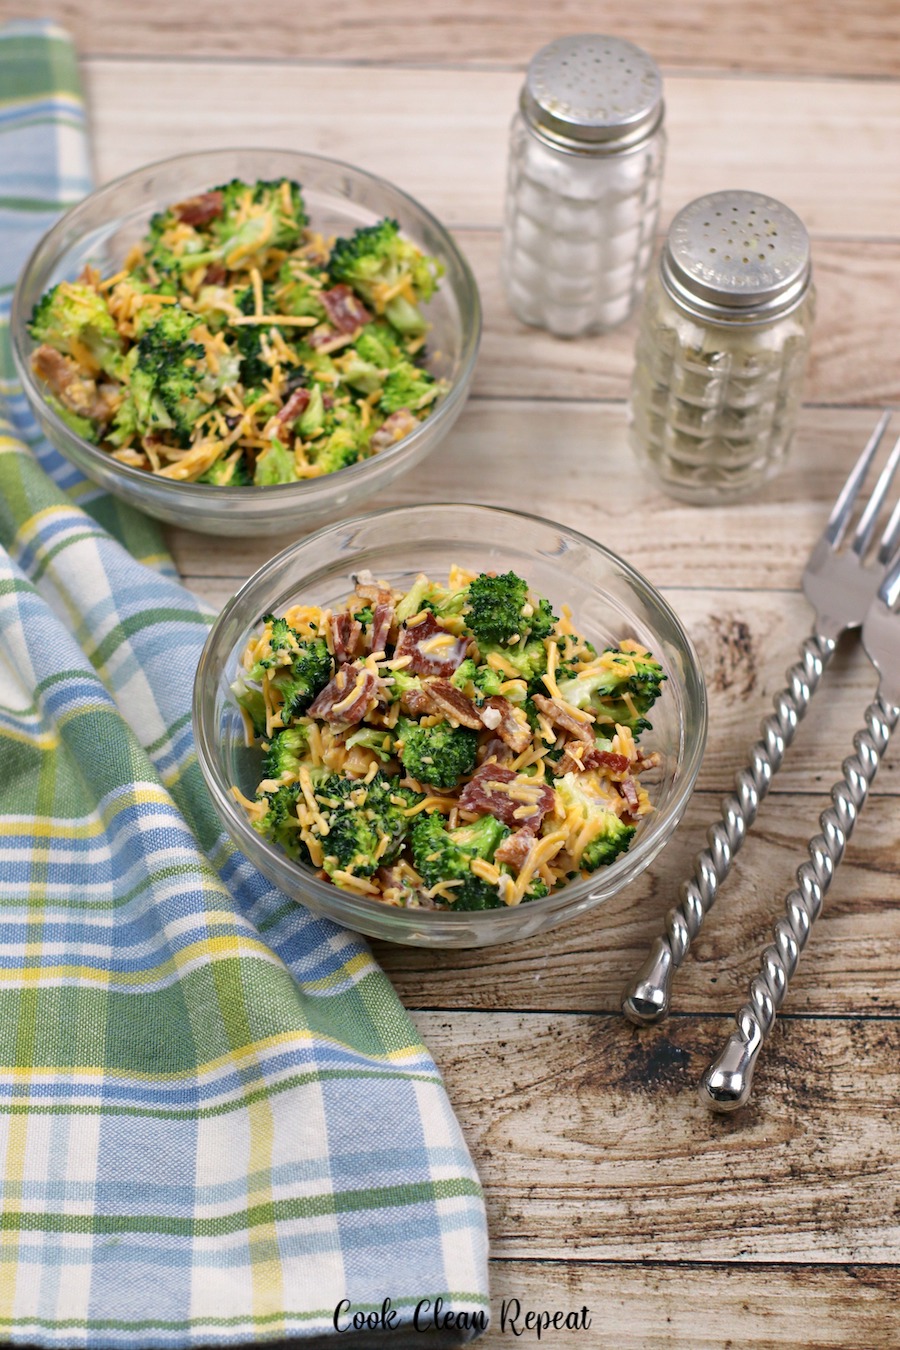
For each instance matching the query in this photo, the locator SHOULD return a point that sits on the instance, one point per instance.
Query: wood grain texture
(857, 285)
(571, 461)
(745, 1307)
(591, 1142)
(850, 966)
(823, 146)
(828, 38)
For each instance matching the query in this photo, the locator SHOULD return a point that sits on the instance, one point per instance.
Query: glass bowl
(609, 601)
(339, 198)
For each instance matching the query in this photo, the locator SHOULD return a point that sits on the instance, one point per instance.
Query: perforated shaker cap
(593, 93)
(737, 256)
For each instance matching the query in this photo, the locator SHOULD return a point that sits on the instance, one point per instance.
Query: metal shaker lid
(592, 92)
(737, 256)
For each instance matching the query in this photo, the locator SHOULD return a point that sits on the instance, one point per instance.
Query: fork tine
(889, 590)
(862, 535)
(843, 507)
(891, 537)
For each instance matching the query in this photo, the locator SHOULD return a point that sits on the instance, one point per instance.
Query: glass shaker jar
(722, 347)
(585, 164)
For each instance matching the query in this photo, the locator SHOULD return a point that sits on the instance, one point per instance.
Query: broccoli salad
(237, 346)
(454, 747)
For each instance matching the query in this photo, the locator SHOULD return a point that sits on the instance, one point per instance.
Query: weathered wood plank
(572, 463)
(851, 965)
(591, 1143)
(819, 145)
(819, 39)
(857, 283)
(651, 1307)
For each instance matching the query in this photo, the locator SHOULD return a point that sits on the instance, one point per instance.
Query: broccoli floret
(361, 375)
(297, 294)
(464, 674)
(440, 855)
(584, 795)
(622, 690)
(543, 620)
(366, 822)
(250, 698)
(374, 260)
(286, 750)
(529, 659)
(487, 681)
(74, 313)
(376, 739)
(413, 600)
(231, 472)
(254, 369)
(310, 669)
(275, 465)
(168, 370)
(408, 387)
(438, 755)
(270, 214)
(402, 683)
(312, 420)
(82, 426)
(337, 452)
(377, 345)
(280, 823)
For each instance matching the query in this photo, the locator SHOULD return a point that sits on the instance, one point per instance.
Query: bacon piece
(453, 704)
(629, 793)
(577, 724)
(295, 405)
(495, 750)
(215, 275)
(515, 848)
(427, 656)
(393, 429)
(509, 797)
(345, 310)
(513, 727)
(382, 623)
(75, 390)
(347, 696)
(345, 635)
(590, 758)
(199, 210)
(415, 702)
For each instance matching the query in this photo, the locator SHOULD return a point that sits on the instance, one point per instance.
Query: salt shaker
(722, 347)
(585, 165)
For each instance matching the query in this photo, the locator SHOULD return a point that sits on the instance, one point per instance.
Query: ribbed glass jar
(722, 348)
(586, 156)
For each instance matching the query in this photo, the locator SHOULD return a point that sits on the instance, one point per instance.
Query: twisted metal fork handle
(648, 995)
(727, 1082)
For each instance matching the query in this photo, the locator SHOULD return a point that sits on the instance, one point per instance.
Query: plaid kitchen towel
(217, 1123)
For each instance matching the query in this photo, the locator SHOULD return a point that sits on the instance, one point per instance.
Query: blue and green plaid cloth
(216, 1120)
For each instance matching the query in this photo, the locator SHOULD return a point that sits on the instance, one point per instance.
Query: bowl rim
(444, 411)
(237, 826)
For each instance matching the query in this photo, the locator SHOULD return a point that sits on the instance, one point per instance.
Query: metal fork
(839, 586)
(727, 1082)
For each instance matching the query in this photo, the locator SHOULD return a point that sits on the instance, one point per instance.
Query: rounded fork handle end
(727, 1083)
(647, 997)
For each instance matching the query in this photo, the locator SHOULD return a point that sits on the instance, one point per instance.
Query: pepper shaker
(585, 165)
(722, 347)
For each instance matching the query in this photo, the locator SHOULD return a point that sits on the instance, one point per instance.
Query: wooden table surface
(607, 1182)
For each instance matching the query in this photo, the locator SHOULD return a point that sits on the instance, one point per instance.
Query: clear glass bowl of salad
(95, 241)
(610, 604)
